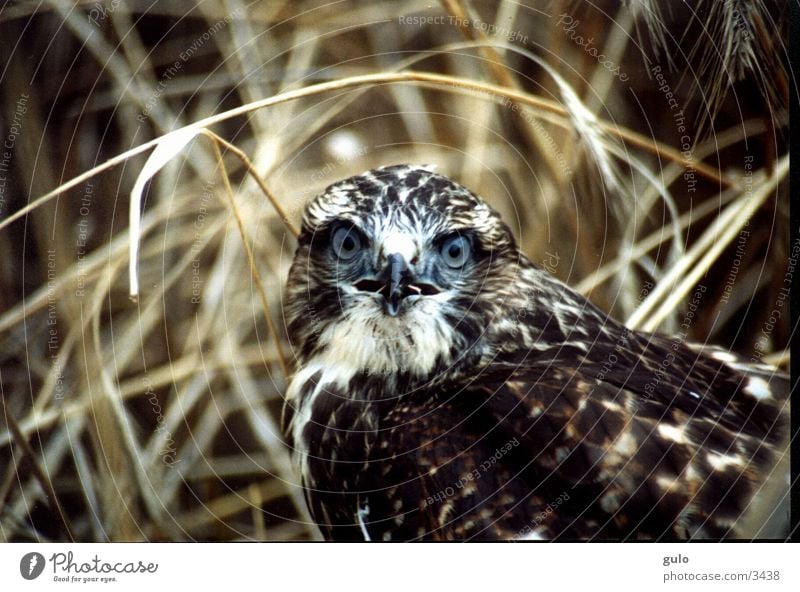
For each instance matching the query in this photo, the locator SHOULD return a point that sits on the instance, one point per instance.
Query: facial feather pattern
(447, 388)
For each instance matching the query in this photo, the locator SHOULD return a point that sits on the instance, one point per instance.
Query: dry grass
(158, 418)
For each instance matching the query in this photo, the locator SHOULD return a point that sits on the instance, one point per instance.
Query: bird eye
(455, 251)
(345, 243)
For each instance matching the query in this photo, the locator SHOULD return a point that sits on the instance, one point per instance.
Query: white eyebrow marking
(401, 243)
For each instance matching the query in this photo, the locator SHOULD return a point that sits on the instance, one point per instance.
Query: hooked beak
(398, 279)
(395, 282)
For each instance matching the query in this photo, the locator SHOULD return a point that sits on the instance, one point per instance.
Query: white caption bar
(353, 567)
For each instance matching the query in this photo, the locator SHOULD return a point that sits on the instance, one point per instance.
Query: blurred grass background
(159, 419)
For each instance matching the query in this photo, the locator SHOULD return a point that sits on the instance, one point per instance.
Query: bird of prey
(449, 389)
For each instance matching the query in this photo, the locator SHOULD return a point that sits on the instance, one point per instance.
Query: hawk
(449, 389)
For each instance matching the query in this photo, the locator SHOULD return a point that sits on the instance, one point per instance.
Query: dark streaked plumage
(447, 388)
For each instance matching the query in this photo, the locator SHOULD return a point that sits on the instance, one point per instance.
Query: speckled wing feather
(687, 459)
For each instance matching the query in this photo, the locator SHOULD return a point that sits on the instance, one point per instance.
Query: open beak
(394, 283)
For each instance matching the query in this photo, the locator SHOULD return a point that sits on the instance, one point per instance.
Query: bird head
(398, 271)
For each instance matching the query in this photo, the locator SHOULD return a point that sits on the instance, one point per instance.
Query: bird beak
(397, 276)
(395, 282)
